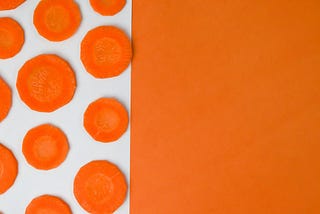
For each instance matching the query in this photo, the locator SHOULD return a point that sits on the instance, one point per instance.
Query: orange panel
(226, 107)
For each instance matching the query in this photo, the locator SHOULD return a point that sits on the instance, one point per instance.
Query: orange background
(226, 107)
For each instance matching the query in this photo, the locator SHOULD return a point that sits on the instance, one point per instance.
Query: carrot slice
(48, 204)
(45, 147)
(8, 169)
(10, 4)
(107, 7)
(100, 187)
(57, 20)
(106, 119)
(11, 37)
(6, 99)
(46, 83)
(106, 51)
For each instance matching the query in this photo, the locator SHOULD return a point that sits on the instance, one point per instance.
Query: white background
(30, 182)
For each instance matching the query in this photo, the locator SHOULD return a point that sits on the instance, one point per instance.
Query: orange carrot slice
(48, 204)
(5, 99)
(106, 51)
(45, 147)
(46, 83)
(100, 187)
(10, 4)
(11, 37)
(106, 119)
(107, 7)
(57, 20)
(8, 169)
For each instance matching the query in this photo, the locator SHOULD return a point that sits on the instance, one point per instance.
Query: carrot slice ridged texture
(57, 20)
(46, 83)
(106, 51)
(106, 119)
(45, 147)
(8, 168)
(11, 37)
(10, 4)
(48, 204)
(107, 7)
(100, 187)
(5, 99)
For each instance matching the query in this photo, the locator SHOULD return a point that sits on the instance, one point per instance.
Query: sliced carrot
(100, 187)
(5, 99)
(107, 7)
(8, 169)
(57, 20)
(10, 4)
(106, 51)
(46, 83)
(45, 147)
(48, 204)
(11, 37)
(106, 119)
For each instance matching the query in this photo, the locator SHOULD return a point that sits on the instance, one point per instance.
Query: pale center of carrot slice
(107, 51)
(99, 188)
(107, 120)
(45, 84)
(57, 19)
(6, 39)
(45, 147)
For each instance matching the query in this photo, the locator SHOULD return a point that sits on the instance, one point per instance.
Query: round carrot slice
(11, 37)
(106, 119)
(57, 20)
(45, 147)
(100, 187)
(107, 7)
(6, 99)
(46, 83)
(48, 204)
(8, 169)
(10, 4)
(106, 51)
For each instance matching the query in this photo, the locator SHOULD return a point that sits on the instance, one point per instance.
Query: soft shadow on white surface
(30, 182)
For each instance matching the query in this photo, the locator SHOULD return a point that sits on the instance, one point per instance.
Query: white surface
(30, 182)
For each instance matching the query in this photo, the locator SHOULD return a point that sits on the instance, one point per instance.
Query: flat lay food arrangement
(65, 106)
